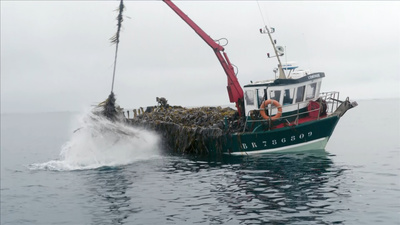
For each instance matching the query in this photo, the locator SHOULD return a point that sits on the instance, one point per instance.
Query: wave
(99, 142)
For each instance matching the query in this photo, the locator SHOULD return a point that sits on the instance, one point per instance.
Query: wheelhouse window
(249, 97)
(288, 96)
(261, 96)
(311, 90)
(275, 95)
(300, 94)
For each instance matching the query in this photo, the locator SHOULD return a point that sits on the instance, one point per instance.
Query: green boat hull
(305, 136)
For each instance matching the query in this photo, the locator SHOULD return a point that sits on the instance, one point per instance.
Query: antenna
(286, 61)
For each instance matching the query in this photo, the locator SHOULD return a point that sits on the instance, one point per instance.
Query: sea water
(73, 168)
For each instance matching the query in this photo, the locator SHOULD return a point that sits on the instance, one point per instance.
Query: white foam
(99, 142)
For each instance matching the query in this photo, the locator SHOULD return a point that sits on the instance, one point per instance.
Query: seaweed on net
(109, 109)
(199, 130)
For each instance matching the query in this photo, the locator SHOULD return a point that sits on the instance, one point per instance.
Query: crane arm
(235, 91)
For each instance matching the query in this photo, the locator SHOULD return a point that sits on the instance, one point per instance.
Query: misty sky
(56, 55)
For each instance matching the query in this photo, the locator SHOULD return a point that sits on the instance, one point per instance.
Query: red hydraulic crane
(235, 91)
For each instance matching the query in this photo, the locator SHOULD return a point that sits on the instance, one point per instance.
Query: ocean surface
(63, 168)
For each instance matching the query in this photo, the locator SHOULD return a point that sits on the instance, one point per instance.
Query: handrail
(328, 97)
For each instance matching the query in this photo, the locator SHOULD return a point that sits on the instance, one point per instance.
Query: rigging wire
(262, 17)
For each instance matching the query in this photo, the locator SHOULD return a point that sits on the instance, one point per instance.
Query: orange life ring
(276, 104)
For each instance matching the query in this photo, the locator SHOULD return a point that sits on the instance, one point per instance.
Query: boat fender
(265, 104)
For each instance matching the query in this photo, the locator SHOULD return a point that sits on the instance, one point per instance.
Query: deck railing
(331, 99)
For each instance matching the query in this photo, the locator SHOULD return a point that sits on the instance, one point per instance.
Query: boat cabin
(292, 94)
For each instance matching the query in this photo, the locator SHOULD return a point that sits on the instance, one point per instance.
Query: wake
(100, 142)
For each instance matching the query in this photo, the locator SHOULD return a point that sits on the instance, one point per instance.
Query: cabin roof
(280, 82)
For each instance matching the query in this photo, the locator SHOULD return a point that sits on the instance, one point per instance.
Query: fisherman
(162, 102)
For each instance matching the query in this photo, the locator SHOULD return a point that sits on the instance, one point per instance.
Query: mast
(266, 30)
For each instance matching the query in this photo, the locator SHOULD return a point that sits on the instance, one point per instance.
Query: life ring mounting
(265, 104)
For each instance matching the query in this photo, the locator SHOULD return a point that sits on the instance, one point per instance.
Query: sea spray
(100, 142)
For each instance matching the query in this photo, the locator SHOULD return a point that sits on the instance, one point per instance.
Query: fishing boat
(287, 113)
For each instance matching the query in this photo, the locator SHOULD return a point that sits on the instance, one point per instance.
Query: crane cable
(115, 39)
